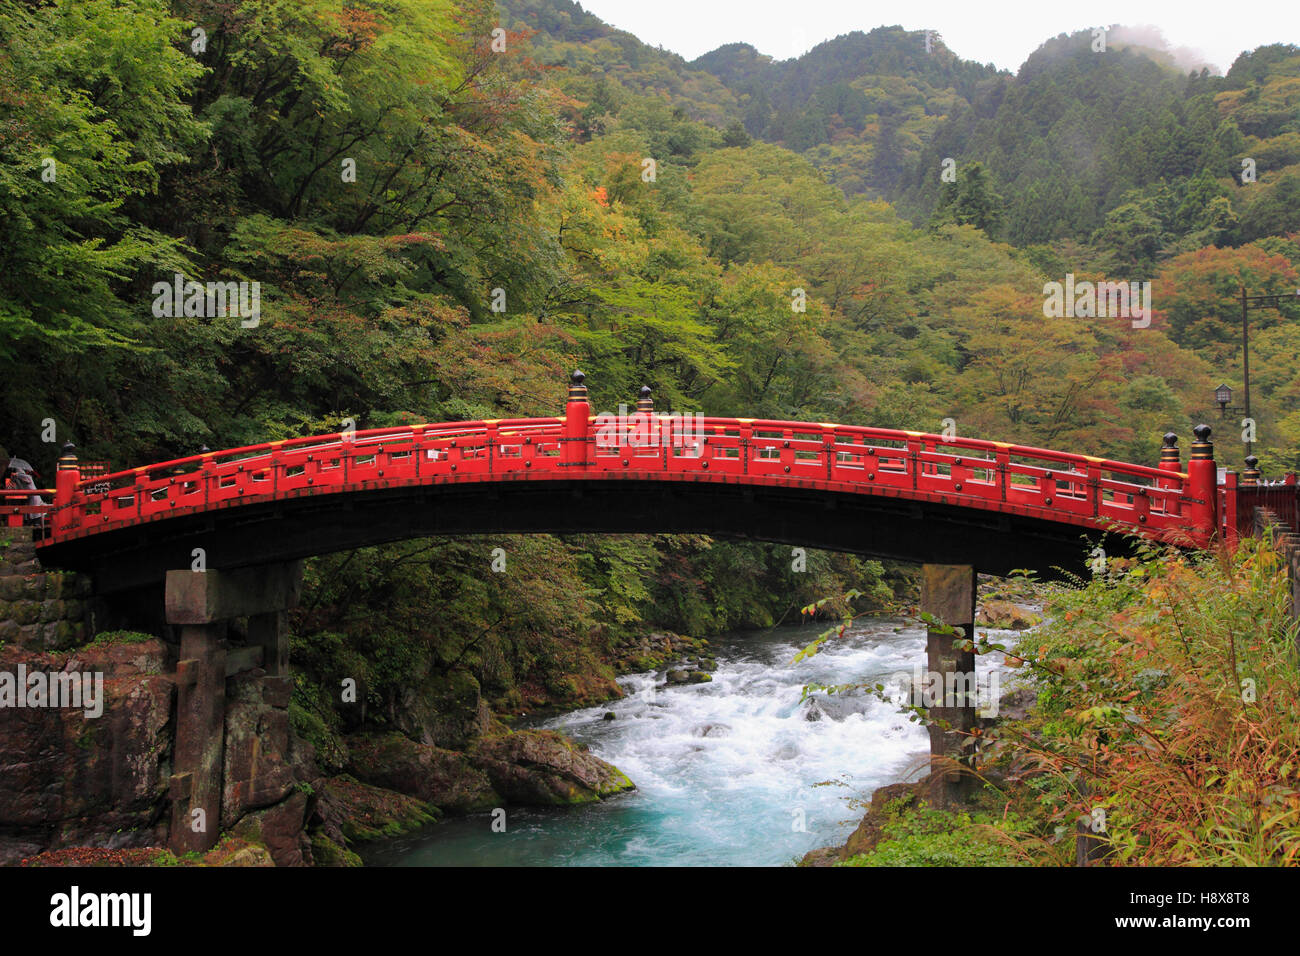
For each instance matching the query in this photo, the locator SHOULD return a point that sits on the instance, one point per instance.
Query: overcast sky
(1002, 33)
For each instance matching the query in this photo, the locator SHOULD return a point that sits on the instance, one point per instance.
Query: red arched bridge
(894, 494)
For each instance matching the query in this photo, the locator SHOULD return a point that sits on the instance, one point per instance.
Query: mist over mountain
(1066, 140)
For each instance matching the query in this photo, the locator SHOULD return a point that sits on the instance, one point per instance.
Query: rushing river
(727, 772)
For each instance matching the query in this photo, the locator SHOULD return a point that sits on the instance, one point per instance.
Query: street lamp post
(1247, 301)
(1223, 395)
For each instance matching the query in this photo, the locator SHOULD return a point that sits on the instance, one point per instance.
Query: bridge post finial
(1203, 486)
(643, 428)
(66, 475)
(577, 431)
(1169, 461)
(577, 387)
(1252, 473)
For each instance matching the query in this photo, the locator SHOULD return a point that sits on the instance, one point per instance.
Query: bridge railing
(15, 510)
(370, 458)
(962, 471)
(1017, 475)
(1239, 516)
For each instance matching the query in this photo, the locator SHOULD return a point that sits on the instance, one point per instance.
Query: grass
(928, 837)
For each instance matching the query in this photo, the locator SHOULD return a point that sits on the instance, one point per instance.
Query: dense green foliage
(1167, 713)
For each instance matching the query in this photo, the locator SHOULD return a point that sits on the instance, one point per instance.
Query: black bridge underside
(882, 527)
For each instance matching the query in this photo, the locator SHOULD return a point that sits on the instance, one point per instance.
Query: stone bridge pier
(202, 605)
(948, 594)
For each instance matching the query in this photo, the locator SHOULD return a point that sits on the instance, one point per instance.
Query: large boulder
(1007, 616)
(281, 829)
(448, 711)
(542, 767)
(349, 810)
(533, 767)
(258, 769)
(444, 778)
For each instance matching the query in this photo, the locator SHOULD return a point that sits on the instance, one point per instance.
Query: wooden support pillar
(948, 593)
(200, 737)
(270, 631)
(202, 603)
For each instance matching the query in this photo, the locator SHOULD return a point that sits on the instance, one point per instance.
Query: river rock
(1015, 704)
(840, 706)
(712, 730)
(545, 768)
(652, 651)
(1007, 616)
(281, 829)
(347, 810)
(443, 778)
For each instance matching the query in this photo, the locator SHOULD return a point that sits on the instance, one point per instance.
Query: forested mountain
(859, 106)
(596, 62)
(1123, 145)
(1120, 142)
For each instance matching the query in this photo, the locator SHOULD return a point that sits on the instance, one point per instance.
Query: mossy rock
(331, 750)
(229, 851)
(325, 852)
(545, 768)
(106, 638)
(233, 851)
(375, 813)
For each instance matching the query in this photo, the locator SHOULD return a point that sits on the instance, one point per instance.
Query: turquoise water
(727, 772)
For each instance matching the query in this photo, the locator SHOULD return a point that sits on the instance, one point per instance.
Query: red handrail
(14, 507)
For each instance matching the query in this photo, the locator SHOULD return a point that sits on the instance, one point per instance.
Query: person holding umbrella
(18, 476)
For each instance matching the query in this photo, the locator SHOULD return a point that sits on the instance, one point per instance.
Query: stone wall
(39, 610)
